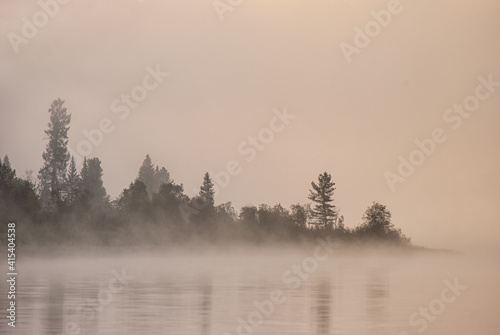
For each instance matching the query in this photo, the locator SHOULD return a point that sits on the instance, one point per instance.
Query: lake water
(255, 292)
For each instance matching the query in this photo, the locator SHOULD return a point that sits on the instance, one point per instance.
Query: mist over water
(266, 291)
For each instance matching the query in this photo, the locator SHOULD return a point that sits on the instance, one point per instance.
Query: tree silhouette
(324, 212)
(207, 192)
(92, 184)
(377, 225)
(153, 177)
(147, 174)
(53, 172)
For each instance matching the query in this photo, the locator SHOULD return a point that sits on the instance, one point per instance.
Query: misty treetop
(207, 191)
(323, 213)
(71, 204)
(52, 175)
(152, 177)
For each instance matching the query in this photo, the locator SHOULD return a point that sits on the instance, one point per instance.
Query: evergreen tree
(323, 213)
(207, 192)
(92, 185)
(203, 205)
(53, 172)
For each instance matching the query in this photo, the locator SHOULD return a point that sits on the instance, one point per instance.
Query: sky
(397, 100)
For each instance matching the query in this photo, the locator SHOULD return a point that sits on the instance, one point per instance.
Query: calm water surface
(256, 293)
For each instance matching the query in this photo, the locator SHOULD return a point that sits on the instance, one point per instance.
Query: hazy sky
(227, 78)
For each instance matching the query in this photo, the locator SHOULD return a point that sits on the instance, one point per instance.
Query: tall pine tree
(323, 213)
(52, 175)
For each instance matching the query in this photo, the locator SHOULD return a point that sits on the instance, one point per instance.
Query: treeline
(67, 205)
